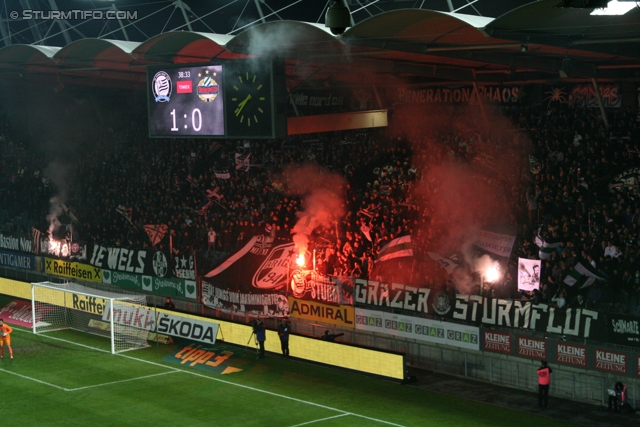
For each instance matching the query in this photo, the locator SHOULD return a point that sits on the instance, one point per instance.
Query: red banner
(569, 354)
(611, 361)
(497, 341)
(17, 313)
(532, 348)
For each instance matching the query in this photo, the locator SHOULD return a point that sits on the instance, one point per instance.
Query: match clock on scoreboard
(238, 99)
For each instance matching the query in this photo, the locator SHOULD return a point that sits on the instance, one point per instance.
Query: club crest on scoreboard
(161, 87)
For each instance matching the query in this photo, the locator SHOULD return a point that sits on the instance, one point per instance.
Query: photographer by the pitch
(261, 335)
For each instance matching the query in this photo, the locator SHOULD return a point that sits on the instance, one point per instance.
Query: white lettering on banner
(9, 242)
(529, 347)
(571, 355)
(168, 324)
(497, 342)
(399, 296)
(612, 362)
(15, 261)
(119, 277)
(121, 259)
(622, 326)
(25, 244)
(499, 312)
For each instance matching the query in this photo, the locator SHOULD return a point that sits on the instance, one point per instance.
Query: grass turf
(54, 381)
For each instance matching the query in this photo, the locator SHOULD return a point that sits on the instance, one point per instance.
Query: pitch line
(34, 379)
(320, 420)
(123, 381)
(231, 383)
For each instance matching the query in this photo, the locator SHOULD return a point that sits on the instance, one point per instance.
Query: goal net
(124, 319)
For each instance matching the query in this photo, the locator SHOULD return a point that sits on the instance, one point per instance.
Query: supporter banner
(72, 270)
(434, 331)
(343, 315)
(63, 249)
(403, 297)
(159, 285)
(496, 243)
(232, 301)
(624, 180)
(569, 354)
(623, 330)
(496, 341)
(528, 274)
(532, 348)
(147, 262)
(459, 95)
(184, 267)
(611, 361)
(584, 95)
(16, 243)
(312, 286)
(578, 322)
(20, 261)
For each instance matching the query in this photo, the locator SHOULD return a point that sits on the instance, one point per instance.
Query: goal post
(57, 306)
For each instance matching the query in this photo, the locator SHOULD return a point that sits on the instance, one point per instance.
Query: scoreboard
(229, 99)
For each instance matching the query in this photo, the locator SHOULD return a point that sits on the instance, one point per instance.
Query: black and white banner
(370, 294)
(528, 274)
(146, 262)
(574, 322)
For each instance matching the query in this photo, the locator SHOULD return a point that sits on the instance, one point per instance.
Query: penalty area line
(320, 420)
(34, 379)
(123, 381)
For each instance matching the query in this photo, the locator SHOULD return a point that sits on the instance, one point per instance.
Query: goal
(124, 319)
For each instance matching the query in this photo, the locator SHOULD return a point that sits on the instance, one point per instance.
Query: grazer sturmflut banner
(411, 299)
(146, 262)
(574, 322)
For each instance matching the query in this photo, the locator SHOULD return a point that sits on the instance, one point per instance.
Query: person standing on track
(544, 379)
(5, 338)
(283, 332)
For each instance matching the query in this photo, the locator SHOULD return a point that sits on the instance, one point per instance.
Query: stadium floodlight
(124, 319)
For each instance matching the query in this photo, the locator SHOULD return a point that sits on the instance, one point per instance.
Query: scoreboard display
(230, 99)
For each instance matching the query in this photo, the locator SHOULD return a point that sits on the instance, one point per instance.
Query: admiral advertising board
(532, 348)
(343, 315)
(496, 341)
(611, 361)
(428, 330)
(573, 355)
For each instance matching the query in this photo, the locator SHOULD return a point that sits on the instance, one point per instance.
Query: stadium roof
(533, 43)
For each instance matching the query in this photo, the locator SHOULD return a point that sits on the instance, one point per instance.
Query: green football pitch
(69, 378)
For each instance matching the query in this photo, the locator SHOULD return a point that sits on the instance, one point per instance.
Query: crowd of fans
(213, 195)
